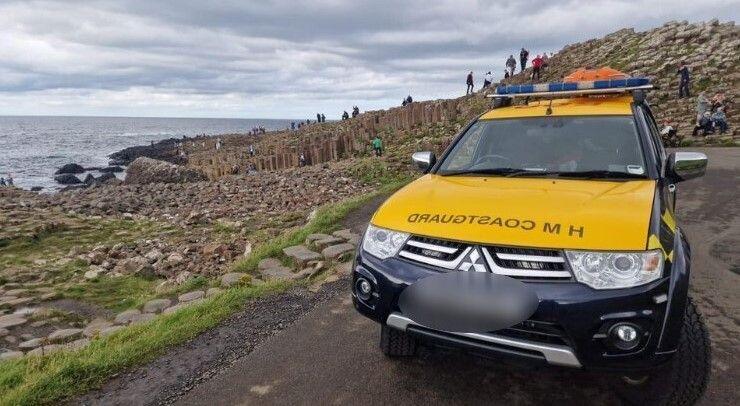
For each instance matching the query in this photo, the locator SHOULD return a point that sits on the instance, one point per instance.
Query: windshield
(593, 146)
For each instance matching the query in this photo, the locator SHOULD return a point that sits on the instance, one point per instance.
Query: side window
(465, 152)
(652, 133)
(655, 135)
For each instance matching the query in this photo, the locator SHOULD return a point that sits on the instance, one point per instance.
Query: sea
(32, 148)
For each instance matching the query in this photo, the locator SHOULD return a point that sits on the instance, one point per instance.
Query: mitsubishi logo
(475, 261)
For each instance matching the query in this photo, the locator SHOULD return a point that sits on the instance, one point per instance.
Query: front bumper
(581, 314)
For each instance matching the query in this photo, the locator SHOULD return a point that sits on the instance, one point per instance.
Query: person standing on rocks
(719, 120)
(2, 182)
(702, 105)
(511, 65)
(345, 115)
(318, 117)
(377, 145)
(469, 81)
(323, 118)
(683, 84)
(523, 56)
(487, 79)
(536, 66)
(251, 150)
(409, 100)
(9, 181)
(302, 160)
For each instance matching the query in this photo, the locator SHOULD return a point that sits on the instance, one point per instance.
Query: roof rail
(559, 89)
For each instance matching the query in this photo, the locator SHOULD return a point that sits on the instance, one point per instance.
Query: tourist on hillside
(719, 120)
(251, 150)
(704, 124)
(545, 61)
(323, 118)
(469, 82)
(302, 160)
(377, 146)
(683, 84)
(345, 115)
(506, 74)
(717, 101)
(218, 144)
(318, 117)
(292, 125)
(523, 56)
(536, 66)
(409, 100)
(487, 79)
(404, 102)
(668, 132)
(511, 65)
(355, 111)
(2, 182)
(9, 181)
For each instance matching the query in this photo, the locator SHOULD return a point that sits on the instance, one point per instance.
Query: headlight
(614, 270)
(383, 243)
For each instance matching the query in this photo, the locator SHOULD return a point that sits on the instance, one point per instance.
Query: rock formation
(146, 170)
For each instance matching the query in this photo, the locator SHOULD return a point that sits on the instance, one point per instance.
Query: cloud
(283, 58)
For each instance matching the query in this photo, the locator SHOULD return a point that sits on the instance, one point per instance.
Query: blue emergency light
(574, 88)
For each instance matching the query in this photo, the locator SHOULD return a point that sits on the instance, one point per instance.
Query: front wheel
(683, 380)
(396, 343)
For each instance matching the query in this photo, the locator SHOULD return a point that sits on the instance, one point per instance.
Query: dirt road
(329, 355)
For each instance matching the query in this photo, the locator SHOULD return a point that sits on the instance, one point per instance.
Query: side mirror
(423, 160)
(686, 165)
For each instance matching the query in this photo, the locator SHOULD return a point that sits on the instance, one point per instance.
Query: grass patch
(50, 379)
(117, 294)
(326, 220)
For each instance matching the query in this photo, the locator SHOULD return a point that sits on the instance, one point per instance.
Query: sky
(285, 59)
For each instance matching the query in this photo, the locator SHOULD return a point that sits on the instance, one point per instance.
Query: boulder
(70, 168)
(67, 179)
(233, 278)
(111, 169)
(126, 316)
(191, 296)
(65, 335)
(301, 255)
(105, 177)
(8, 355)
(146, 170)
(338, 252)
(156, 305)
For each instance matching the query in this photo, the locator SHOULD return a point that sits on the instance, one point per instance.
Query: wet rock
(70, 169)
(156, 305)
(67, 179)
(111, 169)
(65, 335)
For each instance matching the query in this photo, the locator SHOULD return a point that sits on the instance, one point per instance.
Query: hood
(528, 212)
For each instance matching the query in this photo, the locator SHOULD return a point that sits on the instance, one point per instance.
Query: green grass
(59, 376)
(327, 219)
(114, 293)
(51, 379)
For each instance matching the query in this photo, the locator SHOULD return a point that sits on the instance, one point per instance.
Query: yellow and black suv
(546, 232)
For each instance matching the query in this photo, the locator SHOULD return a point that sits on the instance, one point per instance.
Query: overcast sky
(284, 59)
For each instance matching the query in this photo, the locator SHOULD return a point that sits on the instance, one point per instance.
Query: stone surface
(315, 237)
(156, 305)
(213, 292)
(180, 306)
(269, 263)
(142, 318)
(146, 170)
(110, 330)
(126, 316)
(12, 320)
(31, 344)
(77, 344)
(191, 296)
(95, 327)
(326, 242)
(45, 350)
(300, 254)
(65, 335)
(338, 252)
(345, 234)
(8, 355)
(232, 279)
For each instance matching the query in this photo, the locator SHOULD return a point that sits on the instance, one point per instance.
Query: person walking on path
(488, 79)
(511, 65)
(683, 84)
(523, 56)
(469, 81)
(377, 145)
(536, 66)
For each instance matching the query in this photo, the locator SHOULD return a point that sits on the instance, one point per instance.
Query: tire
(396, 343)
(684, 379)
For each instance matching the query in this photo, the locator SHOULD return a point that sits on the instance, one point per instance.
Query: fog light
(364, 288)
(625, 336)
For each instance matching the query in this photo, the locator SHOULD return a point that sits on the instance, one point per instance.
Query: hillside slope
(710, 49)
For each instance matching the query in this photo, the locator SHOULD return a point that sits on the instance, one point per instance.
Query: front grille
(537, 331)
(521, 263)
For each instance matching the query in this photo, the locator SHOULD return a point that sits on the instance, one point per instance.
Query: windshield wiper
(483, 171)
(602, 174)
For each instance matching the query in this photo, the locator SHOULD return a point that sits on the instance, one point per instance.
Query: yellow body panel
(580, 106)
(529, 212)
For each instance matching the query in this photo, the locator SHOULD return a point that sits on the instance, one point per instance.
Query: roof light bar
(573, 88)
